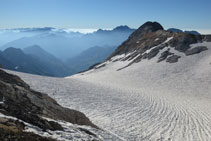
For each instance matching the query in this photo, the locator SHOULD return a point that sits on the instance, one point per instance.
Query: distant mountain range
(35, 60)
(63, 44)
(56, 52)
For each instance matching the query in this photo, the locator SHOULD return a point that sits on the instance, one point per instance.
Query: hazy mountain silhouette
(89, 57)
(65, 45)
(36, 63)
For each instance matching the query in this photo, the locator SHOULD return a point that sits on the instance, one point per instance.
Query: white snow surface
(145, 101)
(168, 39)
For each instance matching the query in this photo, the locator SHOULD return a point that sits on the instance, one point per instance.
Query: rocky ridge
(150, 39)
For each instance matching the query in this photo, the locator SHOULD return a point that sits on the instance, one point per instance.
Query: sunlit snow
(145, 101)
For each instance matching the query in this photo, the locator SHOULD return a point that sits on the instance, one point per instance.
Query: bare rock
(195, 50)
(153, 53)
(164, 55)
(173, 59)
(30, 106)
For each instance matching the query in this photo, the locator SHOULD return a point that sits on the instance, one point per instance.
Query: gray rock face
(12, 130)
(182, 41)
(28, 105)
(12, 79)
(173, 59)
(151, 54)
(196, 50)
(164, 55)
(146, 28)
(207, 38)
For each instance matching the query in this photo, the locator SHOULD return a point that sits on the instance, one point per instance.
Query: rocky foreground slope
(21, 106)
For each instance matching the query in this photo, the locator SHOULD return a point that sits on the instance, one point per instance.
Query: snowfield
(145, 101)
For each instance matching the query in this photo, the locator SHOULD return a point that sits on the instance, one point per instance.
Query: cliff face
(19, 101)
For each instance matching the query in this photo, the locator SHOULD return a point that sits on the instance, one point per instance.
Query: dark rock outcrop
(164, 55)
(18, 100)
(173, 59)
(148, 27)
(196, 50)
(182, 41)
(151, 54)
(12, 130)
(12, 79)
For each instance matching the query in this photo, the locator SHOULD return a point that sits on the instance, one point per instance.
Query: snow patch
(167, 40)
(2, 102)
(156, 39)
(148, 51)
(117, 57)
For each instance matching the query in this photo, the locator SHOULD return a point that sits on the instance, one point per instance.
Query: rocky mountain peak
(151, 26)
(121, 28)
(150, 40)
(147, 28)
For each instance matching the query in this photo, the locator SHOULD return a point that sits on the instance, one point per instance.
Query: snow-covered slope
(173, 96)
(140, 102)
(139, 92)
(164, 101)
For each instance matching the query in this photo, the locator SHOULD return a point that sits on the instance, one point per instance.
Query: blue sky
(183, 14)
